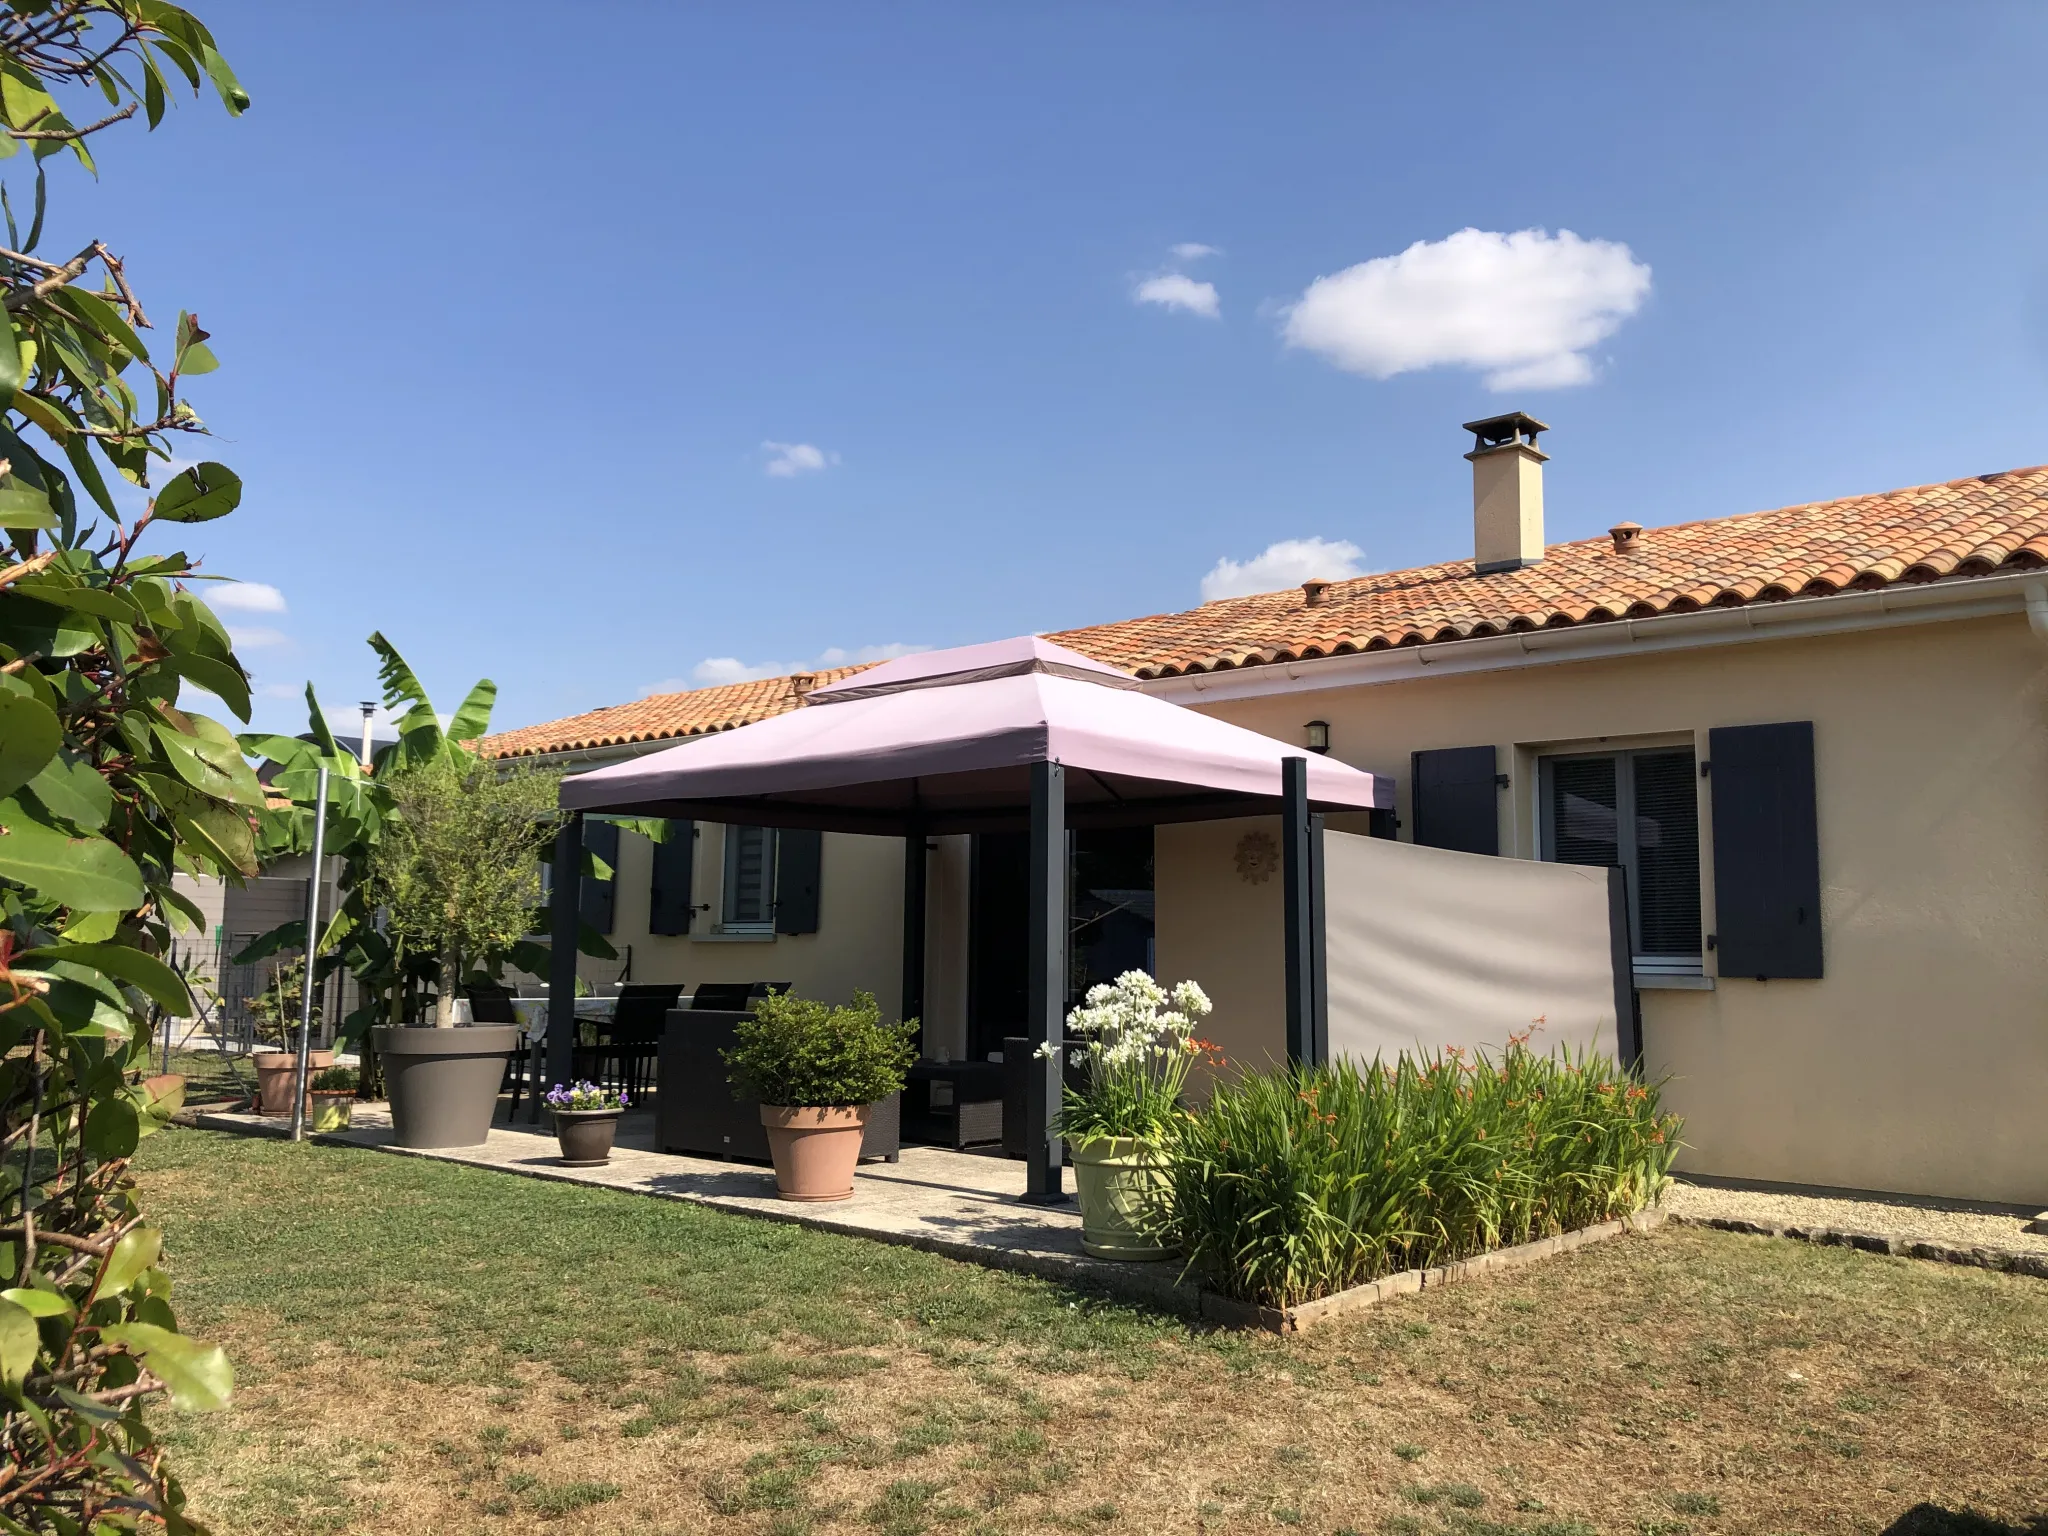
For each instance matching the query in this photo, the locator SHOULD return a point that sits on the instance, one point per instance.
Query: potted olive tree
(1135, 1044)
(816, 1069)
(457, 872)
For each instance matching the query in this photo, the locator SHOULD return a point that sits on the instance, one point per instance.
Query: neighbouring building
(1816, 739)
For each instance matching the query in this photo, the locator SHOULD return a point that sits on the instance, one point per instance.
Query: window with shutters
(1639, 810)
(749, 904)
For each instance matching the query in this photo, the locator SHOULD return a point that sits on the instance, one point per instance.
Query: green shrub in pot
(815, 1069)
(797, 1052)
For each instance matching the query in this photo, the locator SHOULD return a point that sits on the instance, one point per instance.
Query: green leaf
(291, 935)
(38, 1303)
(232, 96)
(402, 686)
(136, 1251)
(224, 776)
(20, 1342)
(23, 506)
(112, 1129)
(31, 626)
(79, 451)
(198, 1375)
(223, 679)
(118, 607)
(473, 719)
(68, 787)
(199, 494)
(316, 725)
(152, 90)
(10, 359)
(145, 972)
(30, 735)
(285, 751)
(88, 873)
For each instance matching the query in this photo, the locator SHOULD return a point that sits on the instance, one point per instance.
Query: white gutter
(2037, 608)
(1844, 613)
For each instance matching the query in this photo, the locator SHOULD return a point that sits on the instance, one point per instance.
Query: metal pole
(1047, 989)
(914, 875)
(565, 916)
(312, 946)
(1297, 868)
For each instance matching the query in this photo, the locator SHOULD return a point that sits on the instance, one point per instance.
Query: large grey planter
(444, 1082)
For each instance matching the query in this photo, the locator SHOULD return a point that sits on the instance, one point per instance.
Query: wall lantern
(1319, 735)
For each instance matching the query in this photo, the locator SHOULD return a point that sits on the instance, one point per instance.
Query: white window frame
(726, 877)
(1676, 971)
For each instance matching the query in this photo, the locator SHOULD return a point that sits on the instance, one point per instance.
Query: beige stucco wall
(858, 945)
(1920, 1062)
(1224, 931)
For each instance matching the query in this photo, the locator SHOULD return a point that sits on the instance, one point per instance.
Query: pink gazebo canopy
(945, 740)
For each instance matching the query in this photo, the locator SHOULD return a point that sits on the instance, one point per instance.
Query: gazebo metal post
(1047, 990)
(1301, 869)
(914, 872)
(565, 907)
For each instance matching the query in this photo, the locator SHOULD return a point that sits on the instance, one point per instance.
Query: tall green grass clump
(1295, 1183)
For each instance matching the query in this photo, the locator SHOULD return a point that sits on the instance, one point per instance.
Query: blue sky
(511, 299)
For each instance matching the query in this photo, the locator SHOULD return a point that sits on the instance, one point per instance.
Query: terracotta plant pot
(444, 1082)
(815, 1150)
(1117, 1177)
(586, 1136)
(274, 1071)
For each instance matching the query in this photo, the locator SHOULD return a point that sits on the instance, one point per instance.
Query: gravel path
(1961, 1229)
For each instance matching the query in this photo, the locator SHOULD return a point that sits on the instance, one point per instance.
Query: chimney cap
(1313, 590)
(1504, 431)
(801, 683)
(1625, 536)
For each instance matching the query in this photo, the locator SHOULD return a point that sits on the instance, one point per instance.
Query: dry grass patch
(430, 1347)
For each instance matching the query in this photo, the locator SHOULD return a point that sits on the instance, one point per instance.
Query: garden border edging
(2005, 1260)
(1310, 1314)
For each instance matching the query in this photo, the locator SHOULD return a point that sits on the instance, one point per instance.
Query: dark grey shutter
(1455, 799)
(602, 839)
(1766, 850)
(799, 862)
(669, 907)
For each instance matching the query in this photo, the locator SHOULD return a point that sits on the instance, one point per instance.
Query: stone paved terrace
(964, 1205)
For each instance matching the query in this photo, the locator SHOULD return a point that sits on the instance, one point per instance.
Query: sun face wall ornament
(1258, 858)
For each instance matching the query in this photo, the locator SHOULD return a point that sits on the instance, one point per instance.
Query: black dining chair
(634, 1037)
(491, 1003)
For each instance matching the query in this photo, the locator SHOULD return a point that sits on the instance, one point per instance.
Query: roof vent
(802, 683)
(1507, 492)
(1627, 537)
(1313, 592)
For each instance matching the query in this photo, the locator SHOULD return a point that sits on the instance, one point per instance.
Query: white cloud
(1286, 564)
(243, 597)
(715, 671)
(254, 637)
(1521, 308)
(1194, 250)
(788, 460)
(1176, 290)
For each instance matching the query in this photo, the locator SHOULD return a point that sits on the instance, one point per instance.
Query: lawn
(426, 1347)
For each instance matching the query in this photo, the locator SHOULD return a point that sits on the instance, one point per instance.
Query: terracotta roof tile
(1954, 530)
(661, 716)
(1923, 533)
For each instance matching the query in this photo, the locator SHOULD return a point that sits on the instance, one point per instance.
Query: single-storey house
(1816, 740)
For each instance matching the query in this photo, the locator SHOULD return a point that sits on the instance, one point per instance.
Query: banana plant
(391, 981)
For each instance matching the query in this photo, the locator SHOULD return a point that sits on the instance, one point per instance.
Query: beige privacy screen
(1428, 948)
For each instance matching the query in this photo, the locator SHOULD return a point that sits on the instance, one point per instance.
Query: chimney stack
(1507, 492)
